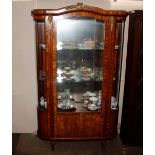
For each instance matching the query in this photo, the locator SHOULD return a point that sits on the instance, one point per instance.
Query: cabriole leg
(52, 144)
(103, 142)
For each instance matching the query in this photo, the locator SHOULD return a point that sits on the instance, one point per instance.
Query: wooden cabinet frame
(55, 126)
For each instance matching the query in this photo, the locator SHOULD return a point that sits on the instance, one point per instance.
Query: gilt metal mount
(111, 22)
(78, 6)
(49, 20)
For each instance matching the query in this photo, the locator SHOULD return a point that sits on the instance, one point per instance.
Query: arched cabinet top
(39, 14)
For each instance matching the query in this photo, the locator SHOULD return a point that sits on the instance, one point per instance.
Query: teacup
(88, 43)
(85, 71)
(67, 68)
(68, 75)
(85, 96)
(92, 106)
(85, 103)
(93, 100)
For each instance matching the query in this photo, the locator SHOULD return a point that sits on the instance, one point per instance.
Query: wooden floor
(30, 144)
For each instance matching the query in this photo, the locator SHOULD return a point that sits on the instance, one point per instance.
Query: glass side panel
(41, 73)
(80, 46)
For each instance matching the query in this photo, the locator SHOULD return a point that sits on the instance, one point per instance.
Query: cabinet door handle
(114, 78)
(42, 75)
(117, 47)
(42, 47)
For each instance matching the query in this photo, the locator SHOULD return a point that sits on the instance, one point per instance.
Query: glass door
(79, 55)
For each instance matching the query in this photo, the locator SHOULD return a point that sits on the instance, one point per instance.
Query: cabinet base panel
(43, 136)
(54, 140)
(107, 137)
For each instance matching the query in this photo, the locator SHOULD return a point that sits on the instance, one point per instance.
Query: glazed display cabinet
(79, 50)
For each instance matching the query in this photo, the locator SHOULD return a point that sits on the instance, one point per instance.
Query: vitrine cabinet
(79, 50)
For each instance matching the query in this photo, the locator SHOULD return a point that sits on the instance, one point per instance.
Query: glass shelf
(79, 75)
(78, 81)
(61, 48)
(79, 102)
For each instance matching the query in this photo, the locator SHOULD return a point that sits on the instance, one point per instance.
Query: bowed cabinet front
(79, 51)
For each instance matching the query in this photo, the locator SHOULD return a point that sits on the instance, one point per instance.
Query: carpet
(30, 144)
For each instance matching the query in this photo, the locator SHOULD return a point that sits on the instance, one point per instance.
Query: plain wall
(48, 4)
(24, 108)
(24, 91)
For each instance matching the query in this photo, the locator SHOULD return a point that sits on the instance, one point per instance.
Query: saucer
(85, 105)
(86, 78)
(62, 106)
(92, 108)
(66, 78)
(88, 93)
(93, 99)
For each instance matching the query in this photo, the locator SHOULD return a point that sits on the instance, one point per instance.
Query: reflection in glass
(80, 45)
(119, 42)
